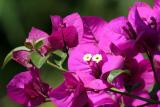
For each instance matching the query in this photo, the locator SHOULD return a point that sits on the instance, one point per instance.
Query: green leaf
(145, 55)
(28, 45)
(115, 89)
(37, 59)
(62, 56)
(9, 55)
(115, 73)
(151, 88)
(35, 44)
(154, 89)
(38, 43)
(7, 59)
(20, 48)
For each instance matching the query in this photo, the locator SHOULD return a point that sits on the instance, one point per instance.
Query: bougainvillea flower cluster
(115, 63)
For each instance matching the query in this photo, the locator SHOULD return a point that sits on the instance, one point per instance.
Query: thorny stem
(55, 66)
(149, 101)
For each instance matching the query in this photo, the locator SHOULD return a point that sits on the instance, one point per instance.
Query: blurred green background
(18, 16)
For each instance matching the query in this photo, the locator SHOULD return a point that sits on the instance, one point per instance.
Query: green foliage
(35, 45)
(37, 59)
(38, 44)
(61, 58)
(7, 59)
(18, 17)
(115, 89)
(115, 73)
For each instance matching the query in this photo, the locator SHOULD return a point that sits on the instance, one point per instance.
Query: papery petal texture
(25, 88)
(22, 57)
(70, 93)
(75, 20)
(94, 29)
(78, 65)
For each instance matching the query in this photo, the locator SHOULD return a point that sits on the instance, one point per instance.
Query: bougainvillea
(115, 63)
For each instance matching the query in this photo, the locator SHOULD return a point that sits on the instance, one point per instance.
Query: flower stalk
(55, 66)
(150, 101)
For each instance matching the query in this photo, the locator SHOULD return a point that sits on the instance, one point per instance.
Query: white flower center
(87, 57)
(97, 58)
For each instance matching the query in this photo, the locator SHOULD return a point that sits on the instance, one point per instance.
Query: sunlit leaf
(38, 43)
(62, 56)
(37, 59)
(7, 59)
(115, 89)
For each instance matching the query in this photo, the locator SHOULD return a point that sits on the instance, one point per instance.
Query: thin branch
(134, 96)
(150, 56)
(147, 104)
(56, 66)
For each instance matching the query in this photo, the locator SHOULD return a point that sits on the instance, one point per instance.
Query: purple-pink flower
(115, 63)
(26, 88)
(72, 93)
(145, 22)
(94, 28)
(36, 35)
(22, 57)
(66, 31)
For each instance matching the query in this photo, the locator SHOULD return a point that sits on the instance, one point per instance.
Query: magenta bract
(110, 64)
(27, 89)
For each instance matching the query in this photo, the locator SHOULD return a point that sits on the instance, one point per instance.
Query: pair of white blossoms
(96, 58)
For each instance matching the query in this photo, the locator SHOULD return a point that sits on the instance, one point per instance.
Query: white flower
(87, 57)
(97, 58)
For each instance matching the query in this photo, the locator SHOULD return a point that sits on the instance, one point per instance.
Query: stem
(55, 66)
(150, 101)
(147, 104)
(150, 56)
